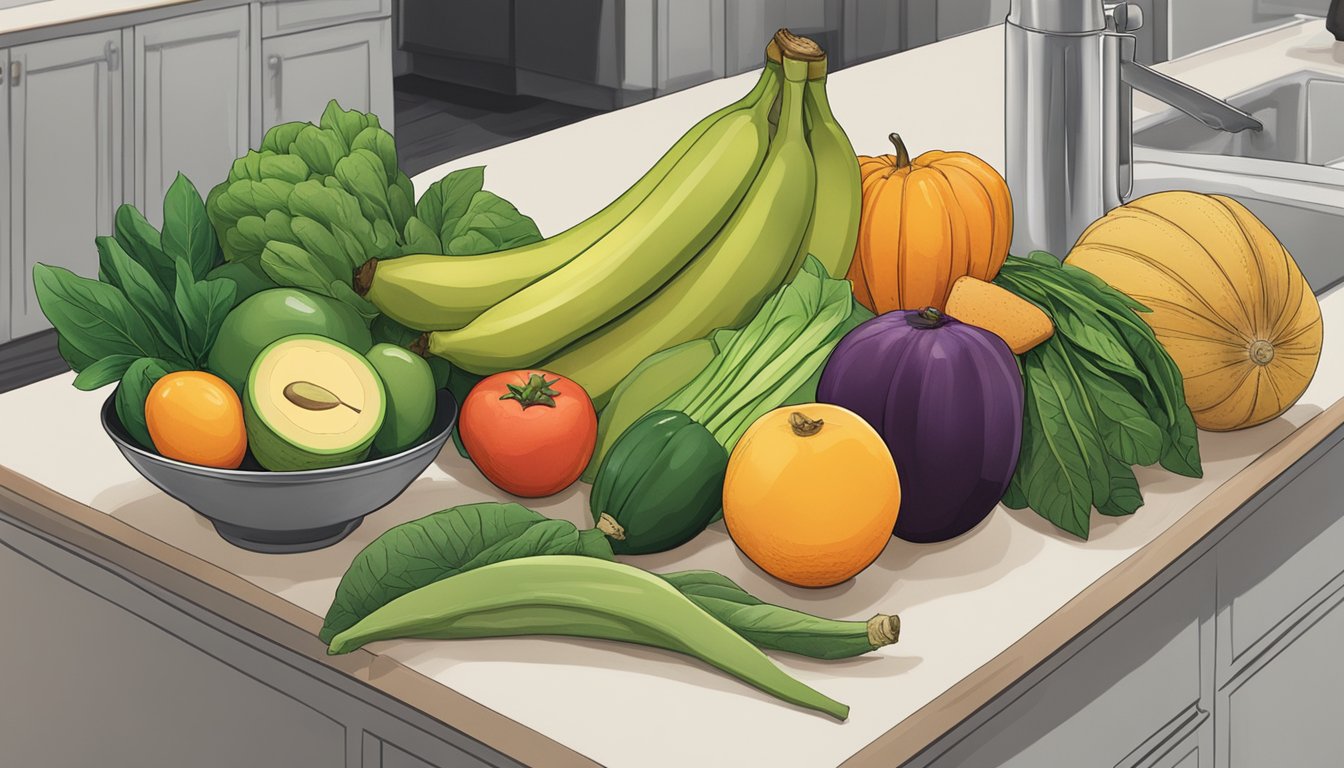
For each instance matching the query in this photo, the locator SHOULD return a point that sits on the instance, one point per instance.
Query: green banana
(430, 292)
(834, 228)
(577, 596)
(729, 280)
(639, 256)
(657, 378)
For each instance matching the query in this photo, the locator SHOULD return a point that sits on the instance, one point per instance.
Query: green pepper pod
(579, 597)
(776, 628)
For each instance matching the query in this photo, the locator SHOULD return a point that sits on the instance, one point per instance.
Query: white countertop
(962, 602)
(47, 13)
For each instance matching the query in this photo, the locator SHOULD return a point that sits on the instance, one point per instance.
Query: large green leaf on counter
(439, 545)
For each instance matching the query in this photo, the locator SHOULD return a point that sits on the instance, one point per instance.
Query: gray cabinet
(5, 251)
(351, 63)
(689, 43)
(192, 93)
(65, 156)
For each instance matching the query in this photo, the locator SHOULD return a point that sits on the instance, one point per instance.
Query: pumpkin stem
(1262, 352)
(803, 426)
(883, 630)
(537, 391)
(902, 154)
(608, 525)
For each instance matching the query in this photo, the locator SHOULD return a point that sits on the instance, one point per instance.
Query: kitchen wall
(1198, 24)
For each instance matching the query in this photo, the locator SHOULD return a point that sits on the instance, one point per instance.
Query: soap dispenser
(1334, 20)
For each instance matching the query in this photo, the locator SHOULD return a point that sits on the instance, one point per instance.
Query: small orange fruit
(811, 494)
(196, 417)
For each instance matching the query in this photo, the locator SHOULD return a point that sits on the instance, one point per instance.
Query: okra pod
(580, 597)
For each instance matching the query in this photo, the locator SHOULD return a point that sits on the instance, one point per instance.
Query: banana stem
(364, 276)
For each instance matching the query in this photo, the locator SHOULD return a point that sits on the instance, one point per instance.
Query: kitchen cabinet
(351, 63)
(689, 43)
(751, 22)
(180, 126)
(65, 160)
(5, 290)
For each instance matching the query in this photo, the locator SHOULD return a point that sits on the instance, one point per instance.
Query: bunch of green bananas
(718, 224)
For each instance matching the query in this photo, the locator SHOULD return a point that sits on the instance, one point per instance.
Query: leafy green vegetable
(456, 216)
(139, 378)
(423, 551)
(1102, 395)
(202, 305)
(141, 240)
(187, 236)
(145, 295)
(93, 317)
(770, 358)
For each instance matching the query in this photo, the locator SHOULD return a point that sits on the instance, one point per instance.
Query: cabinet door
(192, 91)
(351, 63)
(689, 37)
(64, 160)
(6, 293)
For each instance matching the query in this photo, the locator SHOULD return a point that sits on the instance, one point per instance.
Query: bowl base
(284, 542)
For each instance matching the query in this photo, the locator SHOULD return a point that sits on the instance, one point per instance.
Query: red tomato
(529, 432)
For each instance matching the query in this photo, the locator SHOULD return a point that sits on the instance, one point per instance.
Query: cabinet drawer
(1140, 682)
(1276, 563)
(282, 18)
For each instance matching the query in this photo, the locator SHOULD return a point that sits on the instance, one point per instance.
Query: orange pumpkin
(926, 223)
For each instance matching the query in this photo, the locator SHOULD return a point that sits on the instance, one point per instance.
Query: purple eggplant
(947, 399)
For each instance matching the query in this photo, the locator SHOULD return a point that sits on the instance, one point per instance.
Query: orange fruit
(196, 417)
(811, 494)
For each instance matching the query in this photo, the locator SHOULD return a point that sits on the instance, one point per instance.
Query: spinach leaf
(1125, 498)
(451, 541)
(280, 138)
(266, 164)
(187, 235)
(142, 241)
(447, 200)
(346, 124)
(103, 372)
(1126, 430)
(77, 360)
(295, 266)
(203, 305)
(419, 238)
(319, 149)
(1060, 448)
(139, 378)
(490, 224)
(93, 317)
(142, 291)
(247, 279)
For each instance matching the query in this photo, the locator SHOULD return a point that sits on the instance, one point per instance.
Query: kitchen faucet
(1069, 79)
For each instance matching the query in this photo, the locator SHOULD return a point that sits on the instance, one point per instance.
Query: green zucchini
(660, 485)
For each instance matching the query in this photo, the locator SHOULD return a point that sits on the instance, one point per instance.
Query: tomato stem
(803, 426)
(537, 391)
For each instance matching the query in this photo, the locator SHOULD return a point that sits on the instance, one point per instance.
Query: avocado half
(311, 402)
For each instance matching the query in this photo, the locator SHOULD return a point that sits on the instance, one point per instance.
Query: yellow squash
(1228, 302)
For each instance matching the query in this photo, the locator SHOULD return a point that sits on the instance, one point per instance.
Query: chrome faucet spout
(1211, 111)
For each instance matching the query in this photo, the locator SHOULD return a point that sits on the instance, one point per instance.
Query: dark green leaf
(203, 305)
(1126, 430)
(77, 360)
(139, 378)
(93, 317)
(140, 288)
(247, 279)
(187, 235)
(446, 200)
(419, 238)
(361, 174)
(1015, 497)
(1182, 456)
(1125, 495)
(142, 241)
(104, 372)
(423, 551)
(490, 224)
(293, 266)
(380, 143)
(252, 234)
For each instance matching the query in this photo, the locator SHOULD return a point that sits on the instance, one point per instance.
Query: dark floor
(437, 122)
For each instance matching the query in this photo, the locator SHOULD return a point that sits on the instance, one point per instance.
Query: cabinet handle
(15, 72)
(2, 74)
(112, 53)
(274, 63)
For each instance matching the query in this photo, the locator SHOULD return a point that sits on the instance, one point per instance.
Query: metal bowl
(278, 512)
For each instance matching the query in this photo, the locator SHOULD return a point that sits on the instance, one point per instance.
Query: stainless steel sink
(1291, 174)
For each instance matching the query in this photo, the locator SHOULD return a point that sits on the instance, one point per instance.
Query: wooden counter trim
(254, 609)
(939, 717)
